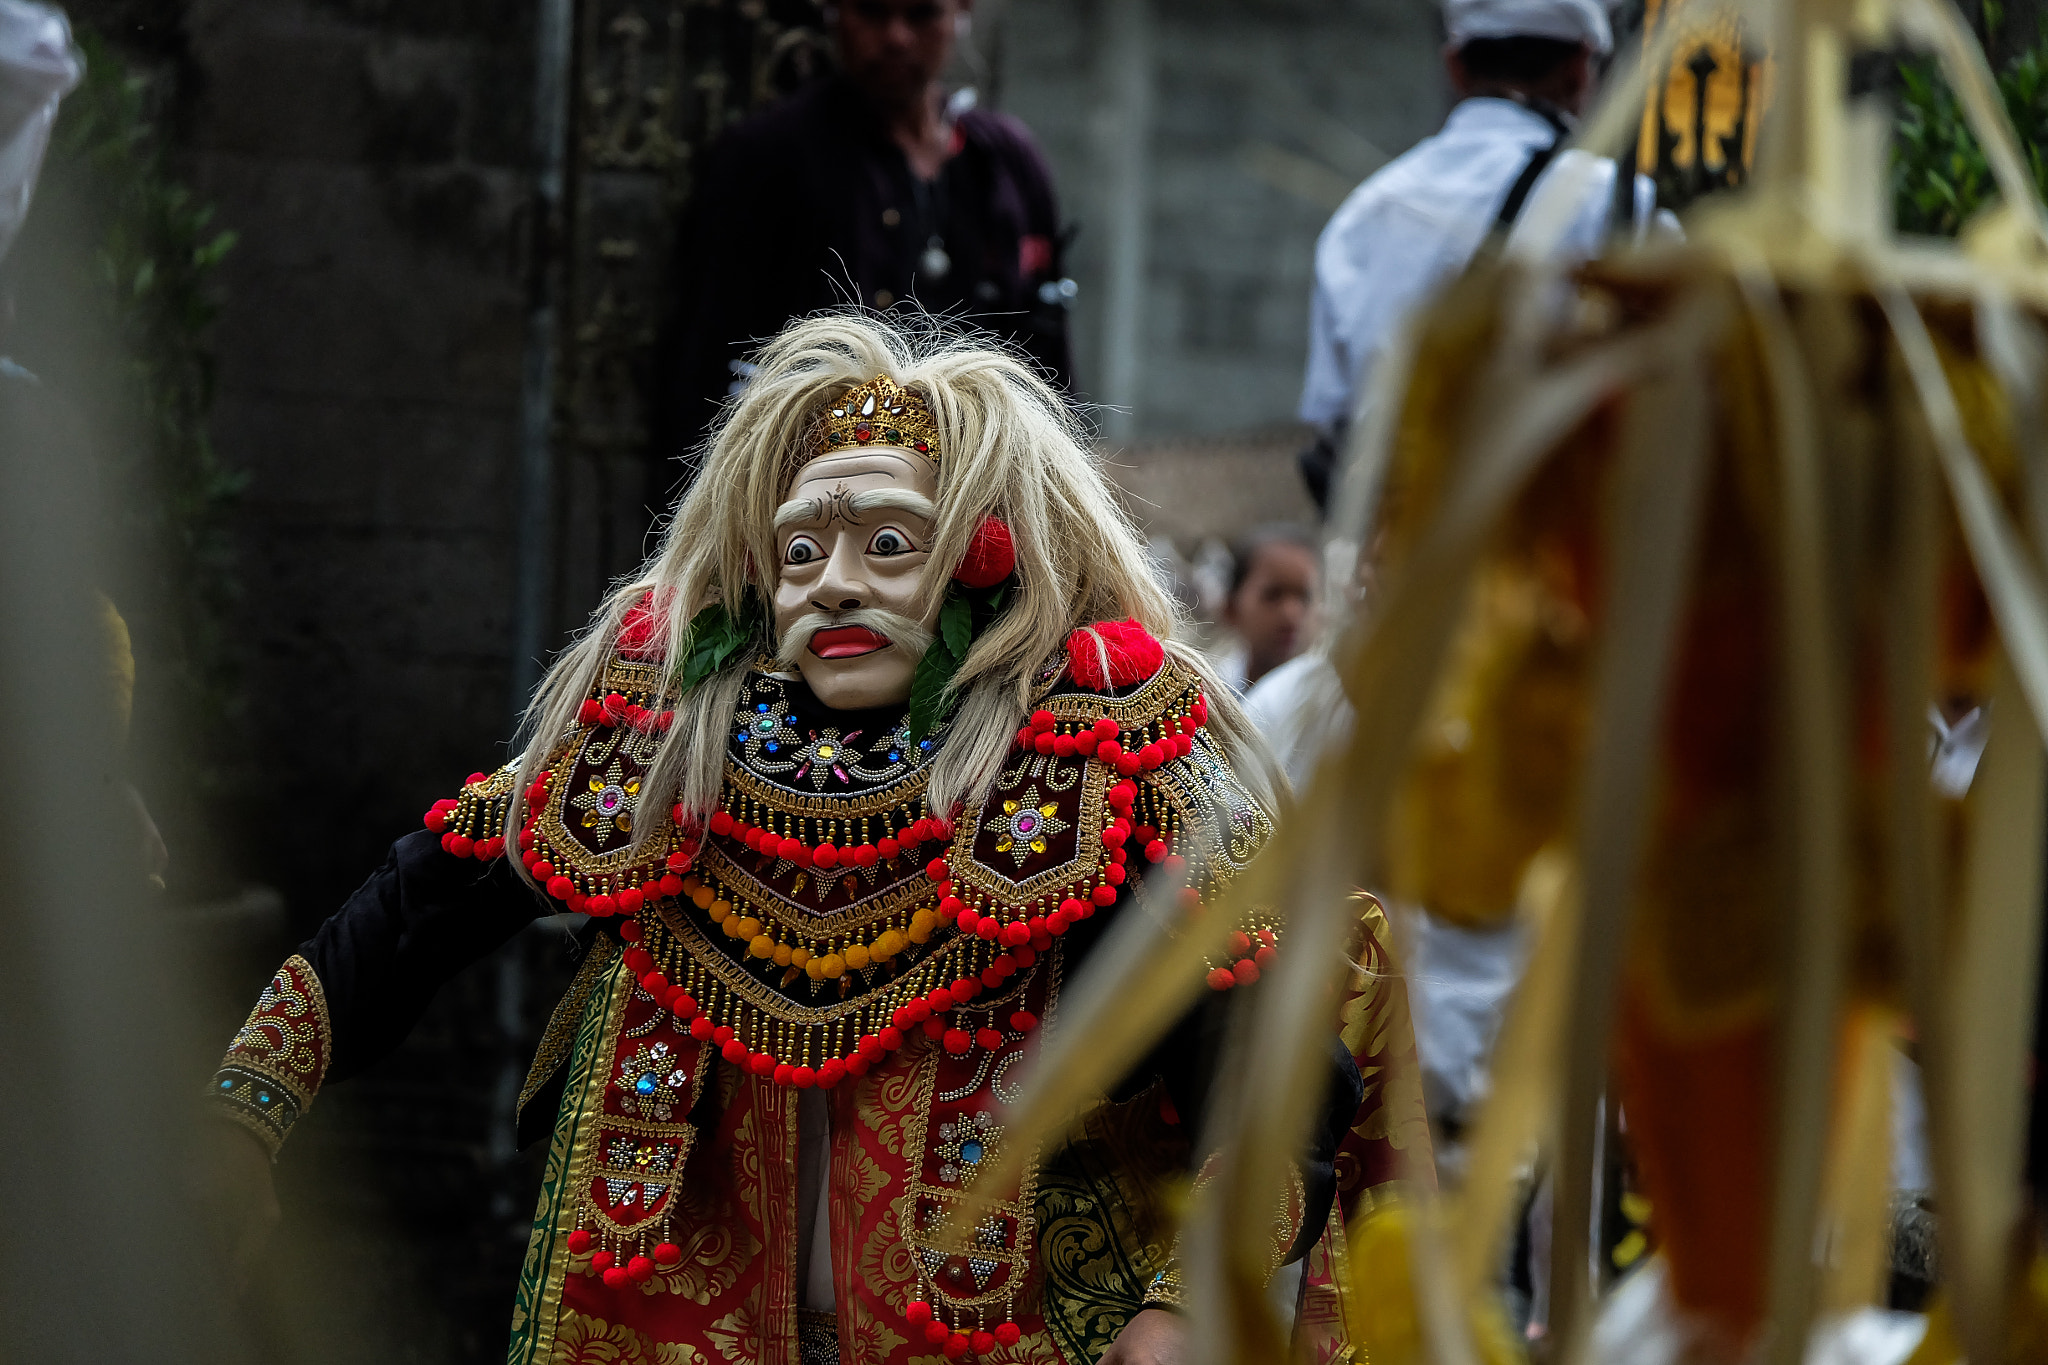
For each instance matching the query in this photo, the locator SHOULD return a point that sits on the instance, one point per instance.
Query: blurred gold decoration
(1671, 576)
(1701, 117)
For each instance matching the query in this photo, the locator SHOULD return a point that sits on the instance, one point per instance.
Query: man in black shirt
(870, 182)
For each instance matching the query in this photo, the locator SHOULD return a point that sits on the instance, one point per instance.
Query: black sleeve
(1187, 1061)
(421, 918)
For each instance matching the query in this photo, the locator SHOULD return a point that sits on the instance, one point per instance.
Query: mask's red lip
(847, 642)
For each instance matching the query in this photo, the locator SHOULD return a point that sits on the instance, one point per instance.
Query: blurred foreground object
(1679, 548)
(37, 66)
(102, 1262)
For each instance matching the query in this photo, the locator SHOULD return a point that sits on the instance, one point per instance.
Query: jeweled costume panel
(827, 930)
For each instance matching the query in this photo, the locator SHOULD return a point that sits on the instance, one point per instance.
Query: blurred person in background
(1270, 607)
(1523, 72)
(874, 180)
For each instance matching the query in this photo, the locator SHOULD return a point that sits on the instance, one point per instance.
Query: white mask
(38, 66)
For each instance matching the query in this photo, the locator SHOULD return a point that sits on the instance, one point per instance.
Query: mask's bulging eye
(890, 541)
(802, 550)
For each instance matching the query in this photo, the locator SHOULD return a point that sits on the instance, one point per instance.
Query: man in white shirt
(1523, 70)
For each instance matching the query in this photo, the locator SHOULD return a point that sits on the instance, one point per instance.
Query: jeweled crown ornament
(880, 412)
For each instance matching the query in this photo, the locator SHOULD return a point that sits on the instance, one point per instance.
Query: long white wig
(1009, 445)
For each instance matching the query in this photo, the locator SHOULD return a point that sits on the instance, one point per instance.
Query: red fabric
(990, 557)
(1133, 655)
(733, 1294)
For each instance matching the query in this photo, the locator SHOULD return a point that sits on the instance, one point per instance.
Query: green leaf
(928, 689)
(956, 625)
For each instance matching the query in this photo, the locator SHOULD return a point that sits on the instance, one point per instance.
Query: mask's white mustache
(904, 633)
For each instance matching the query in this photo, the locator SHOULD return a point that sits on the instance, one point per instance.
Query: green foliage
(1939, 175)
(965, 613)
(716, 636)
(122, 268)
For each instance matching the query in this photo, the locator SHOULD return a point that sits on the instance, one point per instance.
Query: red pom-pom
(983, 1342)
(671, 885)
(1246, 972)
(790, 850)
(601, 906)
(579, 1241)
(1023, 1021)
(601, 1261)
(1063, 746)
(721, 823)
(1156, 850)
(887, 848)
(590, 713)
(825, 856)
(668, 1253)
(802, 1077)
(1221, 979)
(437, 820)
(890, 1039)
(1043, 720)
(1016, 934)
(561, 888)
(987, 927)
(958, 1041)
(918, 1311)
(968, 920)
(1103, 895)
(1265, 955)
(629, 903)
(989, 1038)
(762, 1064)
(1133, 655)
(616, 1278)
(938, 869)
(734, 1051)
(1128, 764)
(936, 1332)
(991, 555)
(866, 856)
(1009, 1333)
(1045, 743)
(700, 1028)
(831, 1074)
(956, 1346)
(641, 1268)
(641, 634)
(784, 1074)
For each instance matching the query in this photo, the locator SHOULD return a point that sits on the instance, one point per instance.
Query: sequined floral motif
(1025, 824)
(608, 802)
(763, 732)
(652, 1083)
(965, 1143)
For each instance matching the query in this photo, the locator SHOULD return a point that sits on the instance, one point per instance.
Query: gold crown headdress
(880, 412)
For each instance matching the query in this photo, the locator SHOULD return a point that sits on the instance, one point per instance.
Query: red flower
(990, 557)
(1133, 655)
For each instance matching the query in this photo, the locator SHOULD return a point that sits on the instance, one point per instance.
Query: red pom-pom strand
(918, 1311)
(640, 1268)
(1009, 1333)
(668, 1253)
(579, 1241)
(617, 1278)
